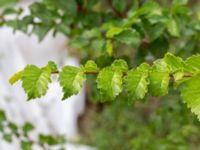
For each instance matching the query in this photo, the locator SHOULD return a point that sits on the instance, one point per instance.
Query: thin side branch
(186, 75)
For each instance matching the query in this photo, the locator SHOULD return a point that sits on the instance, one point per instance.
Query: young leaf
(52, 66)
(27, 127)
(7, 137)
(161, 65)
(91, 66)
(2, 116)
(158, 82)
(13, 127)
(16, 77)
(35, 81)
(109, 83)
(174, 63)
(109, 47)
(190, 91)
(193, 64)
(180, 2)
(136, 83)
(50, 140)
(26, 145)
(173, 28)
(71, 80)
(129, 37)
(113, 31)
(119, 5)
(120, 64)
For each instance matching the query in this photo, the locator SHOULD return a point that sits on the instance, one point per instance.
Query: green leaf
(193, 64)
(91, 66)
(7, 137)
(178, 76)
(35, 81)
(109, 82)
(52, 66)
(16, 77)
(27, 127)
(136, 83)
(182, 2)
(129, 37)
(119, 5)
(1, 128)
(120, 64)
(91, 3)
(41, 31)
(2, 116)
(150, 8)
(113, 31)
(39, 10)
(144, 67)
(158, 82)
(6, 3)
(26, 145)
(153, 31)
(13, 127)
(109, 47)
(71, 80)
(161, 65)
(51, 140)
(190, 91)
(69, 6)
(173, 28)
(95, 32)
(174, 63)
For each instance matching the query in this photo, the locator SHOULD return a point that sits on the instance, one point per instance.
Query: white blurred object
(49, 114)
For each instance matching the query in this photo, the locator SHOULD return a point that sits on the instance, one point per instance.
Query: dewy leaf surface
(71, 80)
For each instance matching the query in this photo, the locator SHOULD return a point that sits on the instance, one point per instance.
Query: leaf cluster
(117, 78)
(10, 131)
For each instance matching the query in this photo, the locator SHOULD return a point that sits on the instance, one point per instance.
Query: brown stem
(186, 75)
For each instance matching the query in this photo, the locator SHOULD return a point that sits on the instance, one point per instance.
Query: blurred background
(163, 123)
